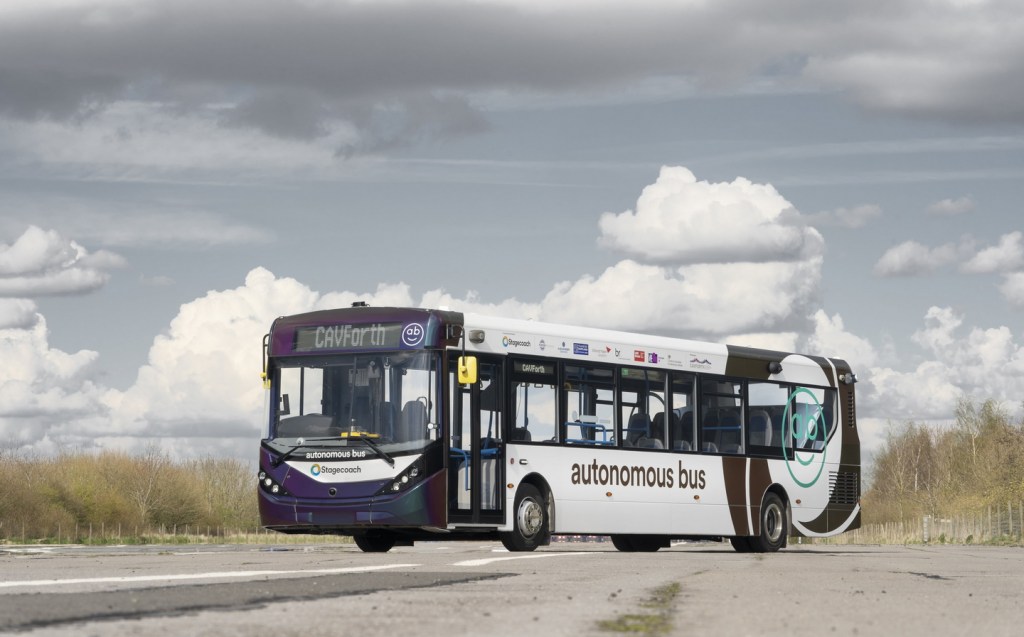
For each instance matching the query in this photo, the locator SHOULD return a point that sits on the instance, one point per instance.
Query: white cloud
(952, 207)
(43, 389)
(41, 263)
(17, 313)
(1007, 256)
(1013, 288)
(712, 300)
(830, 338)
(984, 363)
(681, 220)
(912, 258)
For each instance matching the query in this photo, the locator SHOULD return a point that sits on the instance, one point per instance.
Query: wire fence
(102, 534)
(999, 524)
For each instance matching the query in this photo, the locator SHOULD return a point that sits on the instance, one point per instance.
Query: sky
(840, 178)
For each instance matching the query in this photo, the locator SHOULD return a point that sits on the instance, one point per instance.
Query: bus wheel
(529, 521)
(647, 543)
(374, 542)
(774, 525)
(623, 543)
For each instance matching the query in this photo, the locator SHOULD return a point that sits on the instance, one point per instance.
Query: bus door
(476, 447)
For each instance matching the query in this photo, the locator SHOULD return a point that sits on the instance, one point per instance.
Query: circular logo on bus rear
(413, 334)
(315, 469)
(799, 428)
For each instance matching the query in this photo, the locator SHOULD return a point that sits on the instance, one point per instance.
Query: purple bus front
(354, 444)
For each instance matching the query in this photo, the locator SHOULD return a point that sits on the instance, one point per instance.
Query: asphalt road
(479, 588)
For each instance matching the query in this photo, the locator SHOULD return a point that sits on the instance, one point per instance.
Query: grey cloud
(289, 68)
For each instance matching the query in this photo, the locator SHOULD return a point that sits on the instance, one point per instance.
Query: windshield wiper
(291, 450)
(373, 445)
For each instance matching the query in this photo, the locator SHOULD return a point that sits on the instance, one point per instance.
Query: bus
(397, 425)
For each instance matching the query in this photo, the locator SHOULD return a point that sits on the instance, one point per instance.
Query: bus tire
(623, 543)
(741, 544)
(774, 525)
(374, 542)
(647, 543)
(529, 520)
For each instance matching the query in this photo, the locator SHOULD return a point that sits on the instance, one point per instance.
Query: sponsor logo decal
(315, 469)
(652, 357)
(639, 355)
(509, 341)
(542, 345)
(581, 349)
(699, 362)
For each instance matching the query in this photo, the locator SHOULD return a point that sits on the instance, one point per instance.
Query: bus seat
(639, 427)
(681, 445)
(710, 447)
(685, 426)
(658, 423)
(760, 428)
(414, 420)
(521, 434)
(655, 439)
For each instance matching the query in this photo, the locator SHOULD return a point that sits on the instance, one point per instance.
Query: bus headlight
(268, 485)
(406, 479)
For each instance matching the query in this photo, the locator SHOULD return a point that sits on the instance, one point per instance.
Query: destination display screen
(348, 336)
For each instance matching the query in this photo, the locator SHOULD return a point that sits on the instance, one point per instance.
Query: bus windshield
(385, 397)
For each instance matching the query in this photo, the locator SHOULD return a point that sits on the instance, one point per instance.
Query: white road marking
(195, 576)
(531, 556)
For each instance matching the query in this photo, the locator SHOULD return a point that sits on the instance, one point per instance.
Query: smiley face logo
(413, 334)
(807, 424)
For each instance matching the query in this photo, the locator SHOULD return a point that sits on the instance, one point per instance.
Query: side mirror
(467, 370)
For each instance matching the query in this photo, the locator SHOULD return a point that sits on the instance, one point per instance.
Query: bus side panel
(604, 491)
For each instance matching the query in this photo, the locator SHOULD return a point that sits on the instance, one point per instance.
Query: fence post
(927, 520)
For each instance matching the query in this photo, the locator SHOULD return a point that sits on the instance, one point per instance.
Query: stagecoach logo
(413, 334)
(508, 341)
(316, 470)
(802, 428)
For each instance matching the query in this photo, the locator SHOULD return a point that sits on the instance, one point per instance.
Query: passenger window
(680, 418)
(721, 417)
(536, 413)
(589, 405)
(641, 399)
(765, 414)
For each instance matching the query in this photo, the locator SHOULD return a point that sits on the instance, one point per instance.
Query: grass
(656, 618)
